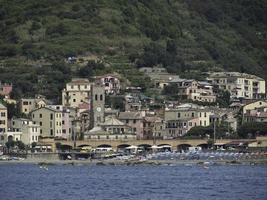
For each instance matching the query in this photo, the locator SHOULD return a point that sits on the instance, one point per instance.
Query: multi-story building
(154, 127)
(30, 132)
(76, 92)
(111, 82)
(180, 120)
(29, 104)
(254, 105)
(240, 85)
(5, 89)
(66, 120)
(196, 90)
(133, 120)
(3, 122)
(49, 120)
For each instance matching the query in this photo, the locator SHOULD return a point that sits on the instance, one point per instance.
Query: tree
(224, 98)
(200, 132)
(252, 129)
(20, 145)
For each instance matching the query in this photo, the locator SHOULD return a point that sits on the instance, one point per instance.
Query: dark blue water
(26, 181)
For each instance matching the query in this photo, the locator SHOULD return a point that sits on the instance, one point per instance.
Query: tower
(97, 105)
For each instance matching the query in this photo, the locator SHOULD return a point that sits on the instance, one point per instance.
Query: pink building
(135, 121)
(5, 89)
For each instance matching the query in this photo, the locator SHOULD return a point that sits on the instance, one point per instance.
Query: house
(3, 122)
(256, 115)
(240, 85)
(30, 131)
(76, 92)
(159, 76)
(196, 90)
(154, 127)
(5, 89)
(66, 120)
(181, 119)
(28, 104)
(49, 120)
(133, 120)
(111, 82)
(254, 105)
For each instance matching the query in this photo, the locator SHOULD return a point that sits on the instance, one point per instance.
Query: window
(51, 116)
(101, 97)
(74, 100)
(32, 115)
(193, 114)
(40, 115)
(25, 110)
(190, 123)
(96, 97)
(41, 131)
(41, 123)
(25, 103)
(51, 132)
(32, 138)
(205, 114)
(32, 129)
(179, 115)
(3, 114)
(127, 121)
(134, 129)
(134, 121)
(63, 122)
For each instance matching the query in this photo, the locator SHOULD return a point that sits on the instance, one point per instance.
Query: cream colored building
(3, 122)
(28, 105)
(180, 120)
(254, 106)
(196, 90)
(49, 120)
(240, 85)
(76, 92)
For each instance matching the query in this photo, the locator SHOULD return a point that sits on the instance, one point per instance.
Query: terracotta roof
(112, 121)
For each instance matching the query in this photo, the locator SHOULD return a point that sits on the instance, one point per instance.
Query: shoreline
(137, 162)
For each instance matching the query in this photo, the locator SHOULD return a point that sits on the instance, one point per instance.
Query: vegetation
(185, 36)
(252, 129)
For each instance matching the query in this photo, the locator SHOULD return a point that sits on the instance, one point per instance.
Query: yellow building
(76, 92)
(50, 121)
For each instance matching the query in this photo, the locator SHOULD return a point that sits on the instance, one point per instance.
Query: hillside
(185, 36)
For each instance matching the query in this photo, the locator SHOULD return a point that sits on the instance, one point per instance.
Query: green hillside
(185, 36)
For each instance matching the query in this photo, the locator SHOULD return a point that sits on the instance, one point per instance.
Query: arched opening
(104, 146)
(183, 147)
(144, 147)
(122, 147)
(165, 147)
(10, 138)
(203, 146)
(65, 148)
(84, 145)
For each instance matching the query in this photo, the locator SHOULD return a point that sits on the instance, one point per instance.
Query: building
(76, 92)
(66, 120)
(112, 128)
(256, 115)
(240, 85)
(29, 104)
(254, 105)
(5, 89)
(154, 127)
(30, 131)
(181, 119)
(49, 120)
(159, 76)
(3, 122)
(111, 83)
(196, 90)
(133, 120)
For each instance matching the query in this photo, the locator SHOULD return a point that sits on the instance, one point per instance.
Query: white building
(240, 85)
(3, 122)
